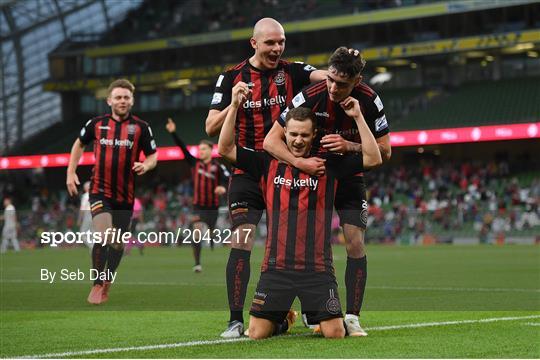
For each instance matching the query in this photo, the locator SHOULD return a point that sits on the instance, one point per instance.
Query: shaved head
(268, 41)
(266, 26)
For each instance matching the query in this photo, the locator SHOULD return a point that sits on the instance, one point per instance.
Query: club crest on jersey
(279, 79)
(131, 129)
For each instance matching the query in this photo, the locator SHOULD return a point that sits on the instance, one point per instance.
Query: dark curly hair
(346, 63)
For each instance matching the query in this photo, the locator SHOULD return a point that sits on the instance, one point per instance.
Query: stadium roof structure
(29, 31)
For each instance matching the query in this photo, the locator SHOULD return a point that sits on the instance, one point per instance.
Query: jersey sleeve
(87, 134)
(301, 99)
(224, 175)
(222, 92)
(375, 117)
(187, 155)
(253, 162)
(345, 165)
(300, 73)
(147, 142)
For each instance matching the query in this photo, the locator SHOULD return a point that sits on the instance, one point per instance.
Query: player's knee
(354, 237)
(243, 237)
(257, 333)
(117, 246)
(335, 331)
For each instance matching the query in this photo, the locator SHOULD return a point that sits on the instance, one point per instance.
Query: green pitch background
(158, 300)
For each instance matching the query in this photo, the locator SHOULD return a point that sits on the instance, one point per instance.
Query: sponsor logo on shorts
(261, 294)
(364, 213)
(332, 304)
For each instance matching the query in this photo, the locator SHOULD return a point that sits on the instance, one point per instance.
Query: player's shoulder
(95, 119)
(315, 90)
(296, 64)
(237, 67)
(363, 92)
(139, 121)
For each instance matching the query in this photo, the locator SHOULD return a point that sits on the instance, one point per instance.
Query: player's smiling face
(339, 85)
(268, 49)
(121, 101)
(299, 136)
(205, 152)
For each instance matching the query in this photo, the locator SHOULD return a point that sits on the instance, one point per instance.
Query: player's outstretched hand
(220, 190)
(335, 143)
(71, 182)
(240, 93)
(170, 126)
(313, 166)
(351, 107)
(139, 168)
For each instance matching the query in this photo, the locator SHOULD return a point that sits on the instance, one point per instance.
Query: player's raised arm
(72, 180)
(371, 155)
(226, 145)
(171, 128)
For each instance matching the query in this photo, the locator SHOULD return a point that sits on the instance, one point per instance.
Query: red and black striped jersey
(117, 146)
(331, 118)
(298, 209)
(272, 91)
(206, 177)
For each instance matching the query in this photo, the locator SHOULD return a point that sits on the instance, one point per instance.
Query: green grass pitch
(439, 301)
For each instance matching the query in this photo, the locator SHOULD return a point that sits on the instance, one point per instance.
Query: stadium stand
(480, 103)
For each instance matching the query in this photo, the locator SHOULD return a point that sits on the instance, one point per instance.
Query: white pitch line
(422, 288)
(532, 324)
(415, 288)
(226, 341)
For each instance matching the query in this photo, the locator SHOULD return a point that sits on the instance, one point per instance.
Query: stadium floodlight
(380, 78)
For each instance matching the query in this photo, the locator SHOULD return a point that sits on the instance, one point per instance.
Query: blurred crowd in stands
(164, 18)
(452, 199)
(439, 200)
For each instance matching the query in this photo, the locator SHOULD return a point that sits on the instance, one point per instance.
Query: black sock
(355, 282)
(237, 274)
(99, 260)
(114, 260)
(196, 252)
(280, 328)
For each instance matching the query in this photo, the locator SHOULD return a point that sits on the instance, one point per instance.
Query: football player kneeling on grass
(298, 255)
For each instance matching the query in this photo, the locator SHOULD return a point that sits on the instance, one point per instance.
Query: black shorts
(277, 289)
(351, 203)
(120, 212)
(246, 203)
(207, 215)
